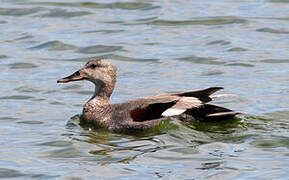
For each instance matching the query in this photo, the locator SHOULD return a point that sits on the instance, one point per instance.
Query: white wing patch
(182, 105)
(172, 112)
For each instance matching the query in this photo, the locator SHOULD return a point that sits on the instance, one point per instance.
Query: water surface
(158, 47)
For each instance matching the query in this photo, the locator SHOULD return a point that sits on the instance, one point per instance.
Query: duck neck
(101, 93)
(97, 103)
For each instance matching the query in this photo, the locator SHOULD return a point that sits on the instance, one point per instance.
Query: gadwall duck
(143, 113)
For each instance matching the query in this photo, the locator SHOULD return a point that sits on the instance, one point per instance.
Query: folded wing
(193, 103)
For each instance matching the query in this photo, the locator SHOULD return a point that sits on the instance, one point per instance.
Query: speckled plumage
(146, 112)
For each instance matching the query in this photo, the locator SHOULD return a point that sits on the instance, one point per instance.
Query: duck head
(100, 72)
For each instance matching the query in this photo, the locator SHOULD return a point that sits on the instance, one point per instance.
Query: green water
(158, 47)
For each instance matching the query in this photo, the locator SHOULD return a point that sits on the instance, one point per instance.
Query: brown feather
(146, 112)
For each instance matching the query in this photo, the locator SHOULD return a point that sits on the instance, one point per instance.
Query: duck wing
(156, 107)
(150, 111)
(193, 100)
(168, 105)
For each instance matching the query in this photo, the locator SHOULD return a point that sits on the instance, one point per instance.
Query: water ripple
(279, 1)
(106, 31)
(158, 47)
(2, 56)
(18, 11)
(98, 49)
(221, 42)
(30, 122)
(26, 89)
(22, 65)
(202, 60)
(116, 5)
(113, 57)
(56, 143)
(9, 173)
(275, 31)
(62, 13)
(273, 61)
(54, 46)
(240, 64)
(16, 97)
(220, 20)
(237, 49)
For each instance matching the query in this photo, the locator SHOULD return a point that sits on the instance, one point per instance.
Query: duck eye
(92, 66)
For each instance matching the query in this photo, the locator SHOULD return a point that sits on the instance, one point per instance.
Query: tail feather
(202, 93)
(211, 112)
(219, 114)
(221, 96)
(208, 112)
